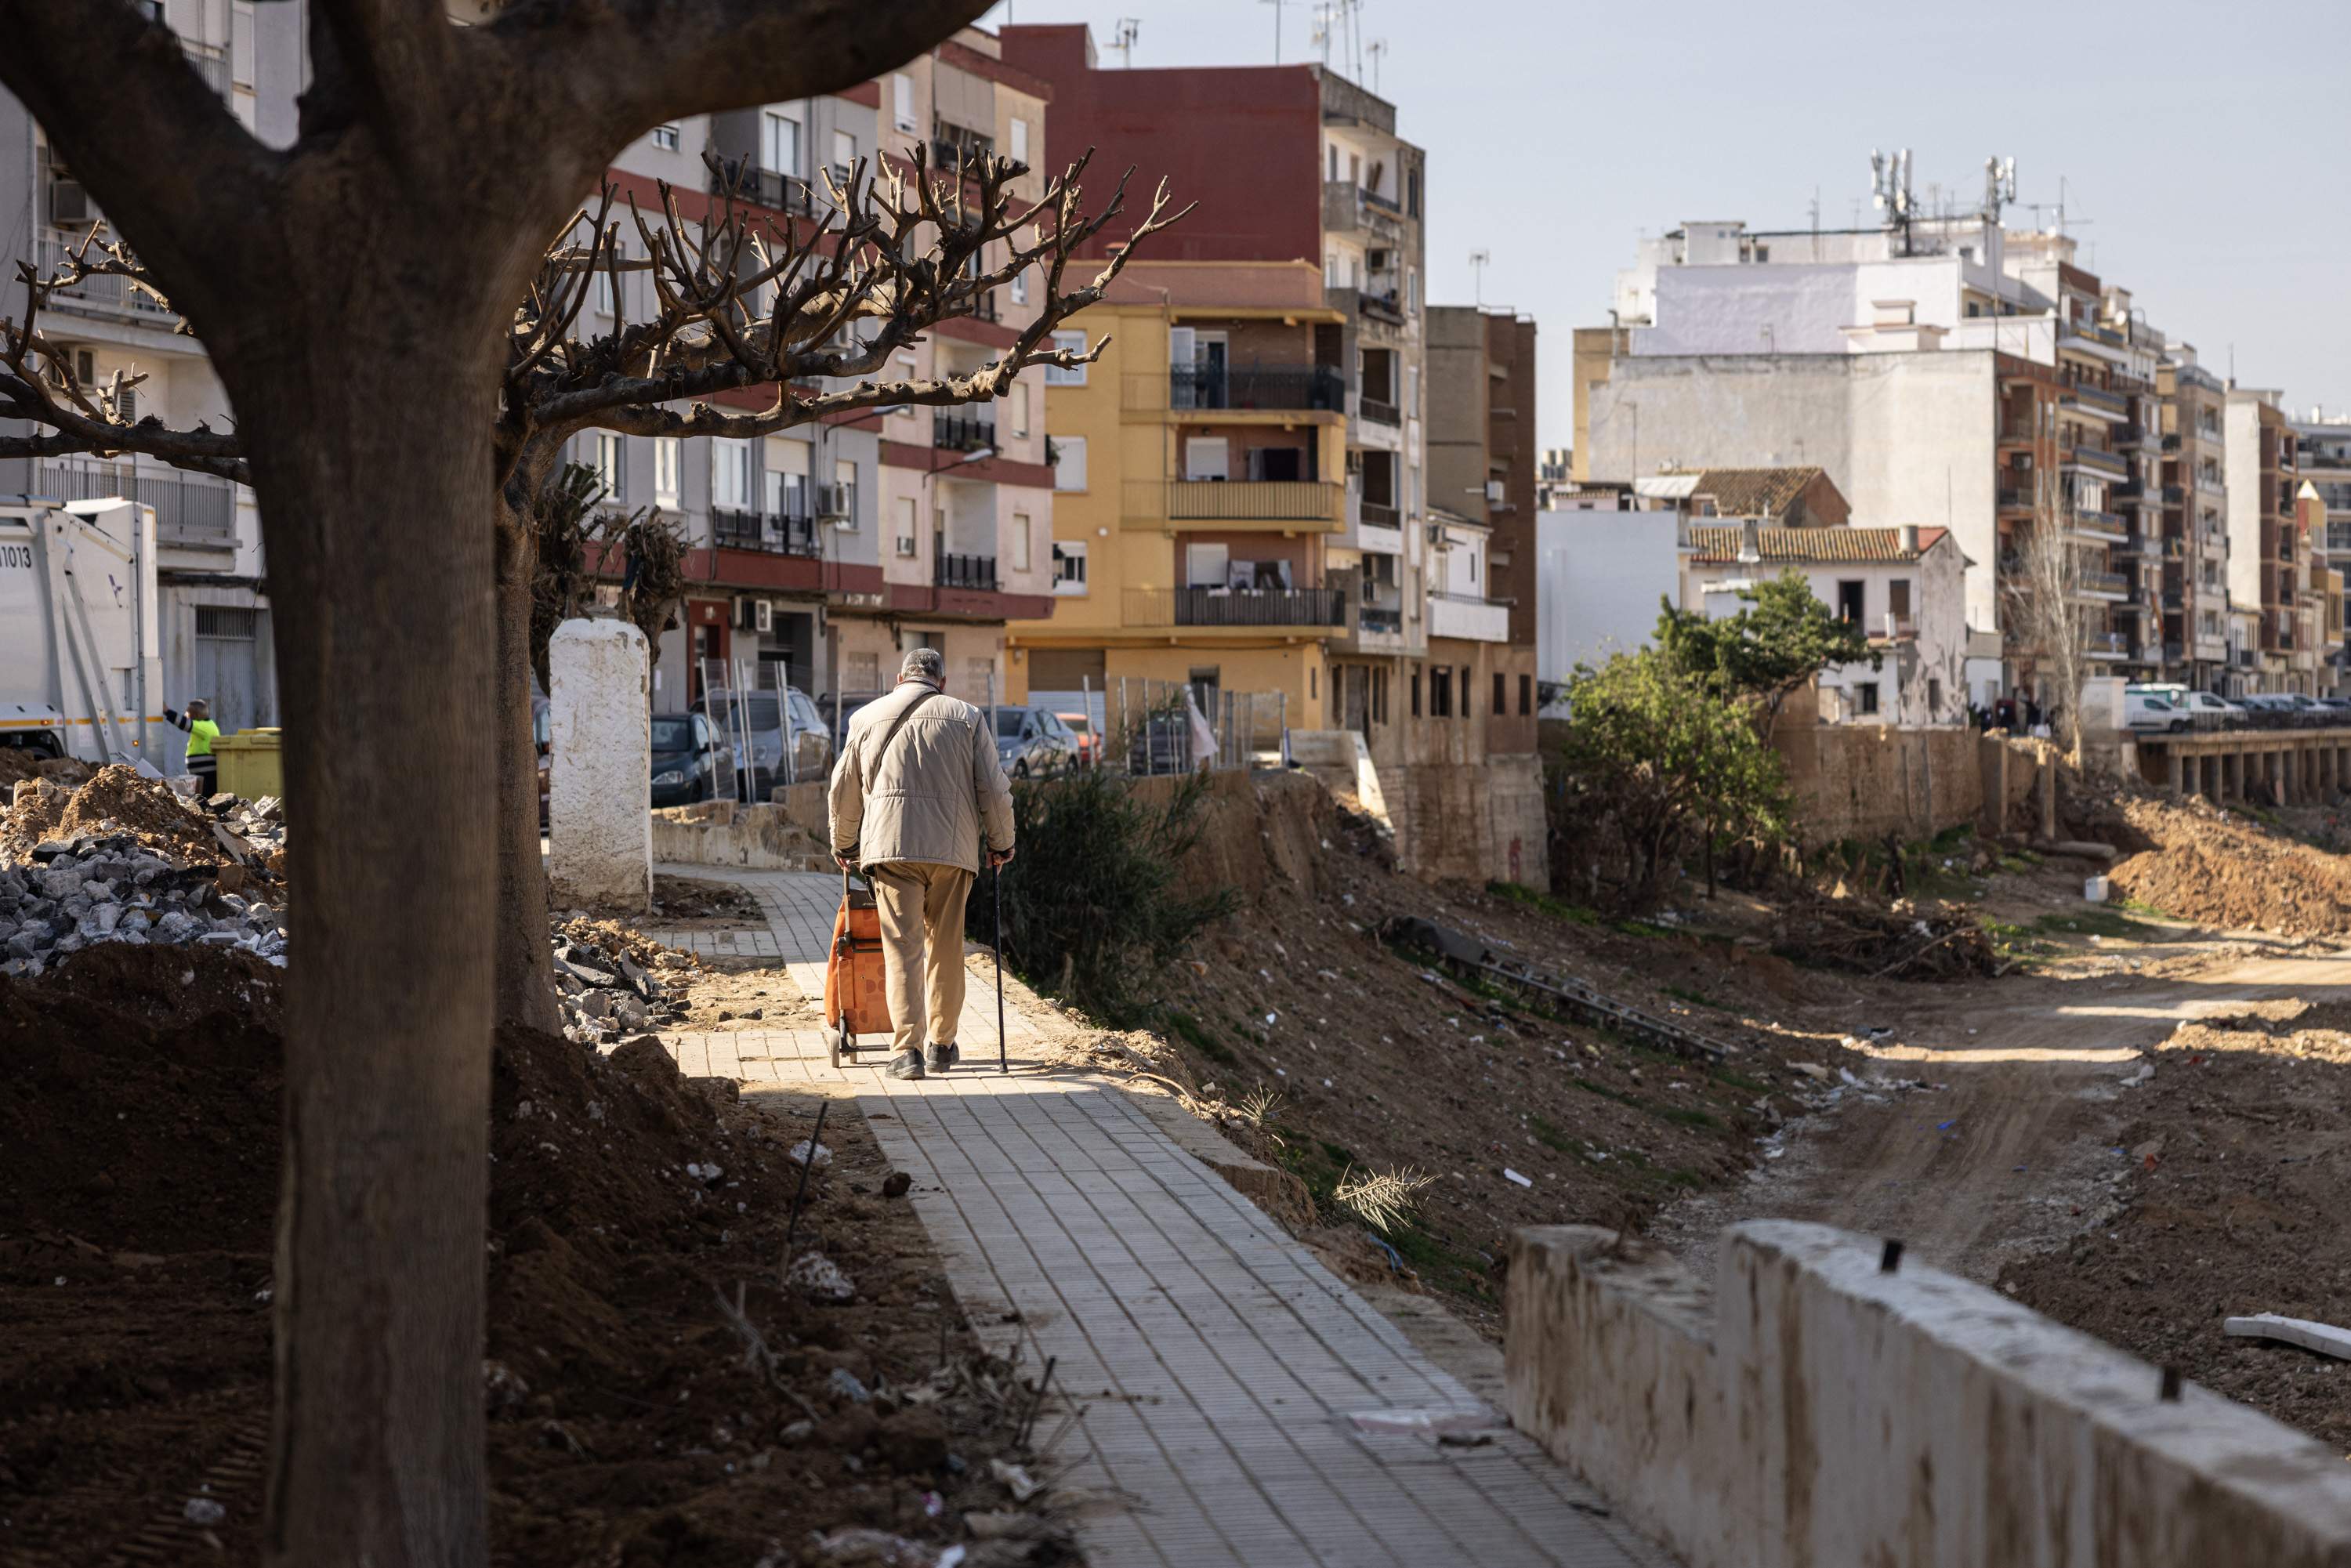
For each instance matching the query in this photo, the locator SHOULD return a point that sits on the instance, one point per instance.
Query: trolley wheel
(832, 1040)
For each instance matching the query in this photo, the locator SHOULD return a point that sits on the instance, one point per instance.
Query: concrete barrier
(1820, 1412)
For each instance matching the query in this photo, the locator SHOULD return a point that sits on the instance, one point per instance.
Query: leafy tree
(1656, 756)
(1779, 641)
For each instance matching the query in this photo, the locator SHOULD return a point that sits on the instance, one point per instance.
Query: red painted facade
(1244, 141)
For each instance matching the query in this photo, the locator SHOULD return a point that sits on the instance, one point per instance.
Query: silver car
(1032, 742)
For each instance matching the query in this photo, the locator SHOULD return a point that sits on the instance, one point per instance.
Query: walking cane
(1003, 1062)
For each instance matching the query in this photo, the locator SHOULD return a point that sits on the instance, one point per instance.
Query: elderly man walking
(916, 796)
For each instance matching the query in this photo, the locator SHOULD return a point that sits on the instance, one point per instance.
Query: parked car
(769, 716)
(2210, 712)
(691, 760)
(1088, 743)
(2146, 713)
(1032, 741)
(2270, 710)
(2338, 710)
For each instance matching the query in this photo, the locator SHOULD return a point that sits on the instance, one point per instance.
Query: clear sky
(2205, 148)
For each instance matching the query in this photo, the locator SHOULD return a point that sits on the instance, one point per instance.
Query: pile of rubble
(121, 859)
(612, 983)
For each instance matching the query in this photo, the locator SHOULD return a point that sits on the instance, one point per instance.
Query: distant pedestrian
(917, 811)
(202, 732)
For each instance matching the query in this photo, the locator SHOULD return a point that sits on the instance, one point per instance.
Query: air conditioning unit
(70, 204)
(1495, 494)
(764, 617)
(905, 544)
(832, 505)
(1437, 536)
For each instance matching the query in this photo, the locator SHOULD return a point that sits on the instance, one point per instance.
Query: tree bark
(525, 982)
(372, 492)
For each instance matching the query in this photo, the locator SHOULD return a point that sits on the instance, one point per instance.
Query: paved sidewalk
(1240, 1405)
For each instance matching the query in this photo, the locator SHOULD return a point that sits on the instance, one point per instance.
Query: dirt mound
(17, 763)
(614, 940)
(1907, 941)
(115, 800)
(2229, 1171)
(2218, 868)
(632, 1420)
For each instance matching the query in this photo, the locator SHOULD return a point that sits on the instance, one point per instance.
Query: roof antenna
(1129, 30)
(1479, 259)
(1376, 49)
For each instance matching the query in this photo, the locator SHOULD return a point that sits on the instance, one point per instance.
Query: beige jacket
(930, 800)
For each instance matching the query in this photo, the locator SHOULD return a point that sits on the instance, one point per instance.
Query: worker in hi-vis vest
(201, 733)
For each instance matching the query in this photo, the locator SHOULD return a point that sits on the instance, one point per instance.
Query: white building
(1602, 575)
(1903, 584)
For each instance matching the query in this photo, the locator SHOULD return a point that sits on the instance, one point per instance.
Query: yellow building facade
(1200, 480)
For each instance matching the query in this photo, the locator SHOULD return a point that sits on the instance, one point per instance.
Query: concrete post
(2282, 777)
(600, 843)
(2232, 772)
(2045, 787)
(2171, 760)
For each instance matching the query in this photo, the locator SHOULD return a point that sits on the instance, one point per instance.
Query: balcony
(2086, 399)
(1470, 617)
(746, 181)
(769, 533)
(953, 145)
(1236, 501)
(51, 252)
(192, 509)
(2097, 460)
(1379, 411)
(962, 432)
(975, 572)
(2106, 526)
(1288, 388)
(2109, 645)
(2171, 442)
(1378, 514)
(2111, 585)
(2015, 499)
(1348, 208)
(2090, 333)
(1319, 608)
(2013, 429)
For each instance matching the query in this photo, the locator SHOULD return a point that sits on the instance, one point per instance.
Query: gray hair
(924, 664)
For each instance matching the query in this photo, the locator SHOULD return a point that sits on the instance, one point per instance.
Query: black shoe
(939, 1058)
(905, 1064)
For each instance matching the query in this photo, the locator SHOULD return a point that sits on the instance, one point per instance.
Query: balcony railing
(50, 252)
(2098, 524)
(2013, 496)
(962, 432)
(1236, 607)
(972, 571)
(1236, 500)
(190, 508)
(1467, 616)
(769, 533)
(1379, 412)
(950, 143)
(746, 181)
(1379, 514)
(2100, 460)
(1347, 207)
(2109, 645)
(2105, 582)
(1301, 387)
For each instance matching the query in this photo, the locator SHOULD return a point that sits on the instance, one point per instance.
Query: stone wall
(1479, 822)
(599, 843)
(1826, 1412)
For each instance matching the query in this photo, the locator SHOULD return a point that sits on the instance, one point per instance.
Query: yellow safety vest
(201, 734)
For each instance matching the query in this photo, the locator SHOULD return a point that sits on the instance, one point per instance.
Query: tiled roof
(1752, 492)
(1800, 547)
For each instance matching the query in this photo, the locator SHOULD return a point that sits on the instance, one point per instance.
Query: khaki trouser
(921, 905)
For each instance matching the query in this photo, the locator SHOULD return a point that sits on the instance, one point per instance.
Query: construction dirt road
(1986, 1129)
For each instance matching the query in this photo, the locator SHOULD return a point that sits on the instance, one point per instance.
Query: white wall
(1908, 438)
(1793, 308)
(1600, 578)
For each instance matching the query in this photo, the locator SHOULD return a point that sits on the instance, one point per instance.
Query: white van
(2147, 712)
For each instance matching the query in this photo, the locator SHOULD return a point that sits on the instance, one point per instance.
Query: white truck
(81, 660)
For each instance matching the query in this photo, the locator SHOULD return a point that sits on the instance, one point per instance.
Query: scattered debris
(1510, 1174)
(2323, 1338)
(820, 1278)
(1904, 940)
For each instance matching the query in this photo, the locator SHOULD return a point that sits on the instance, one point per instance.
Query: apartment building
(2195, 521)
(1943, 368)
(2272, 567)
(819, 554)
(2322, 456)
(1483, 468)
(213, 611)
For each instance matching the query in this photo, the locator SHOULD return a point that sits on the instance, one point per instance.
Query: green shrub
(1091, 910)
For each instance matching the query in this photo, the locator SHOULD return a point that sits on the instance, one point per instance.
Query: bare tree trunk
(525, 971)
(371, 491)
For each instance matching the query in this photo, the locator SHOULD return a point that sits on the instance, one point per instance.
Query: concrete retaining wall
(721, 832)
(1822, 1412)
(1480, 822)
(1863, 780)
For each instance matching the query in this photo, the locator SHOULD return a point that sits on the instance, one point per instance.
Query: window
(604, 299)
(1526, 696)
(1440, 692)
(1074, 341)
(1020, 287)
(228, 621)
(1415, 691)
(779, 144)
(1379, 694)
(665, 137)
(1412, 193)
(604, 457)
(1934, 696)
(1019, 409)
(1020, 140)
(844, 153)
(844, 485)
(1069, 462)
(1355, 167)
(1501, 695)
(1020, 542)
(666, 466)
(1849, 608)
(730, 473)
(906, 540)
(1334, 162)
(1205, 566)
(902, 100)
(1868, 695)
(1070, 568)
(1897, 598)
(1412, 289)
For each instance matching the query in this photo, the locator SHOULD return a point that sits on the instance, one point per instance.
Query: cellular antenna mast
(1130, 29)
(2000, 186)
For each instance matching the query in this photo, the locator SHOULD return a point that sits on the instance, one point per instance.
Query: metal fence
(1152, 727)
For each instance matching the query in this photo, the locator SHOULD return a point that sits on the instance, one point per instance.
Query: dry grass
(1381, 1200)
